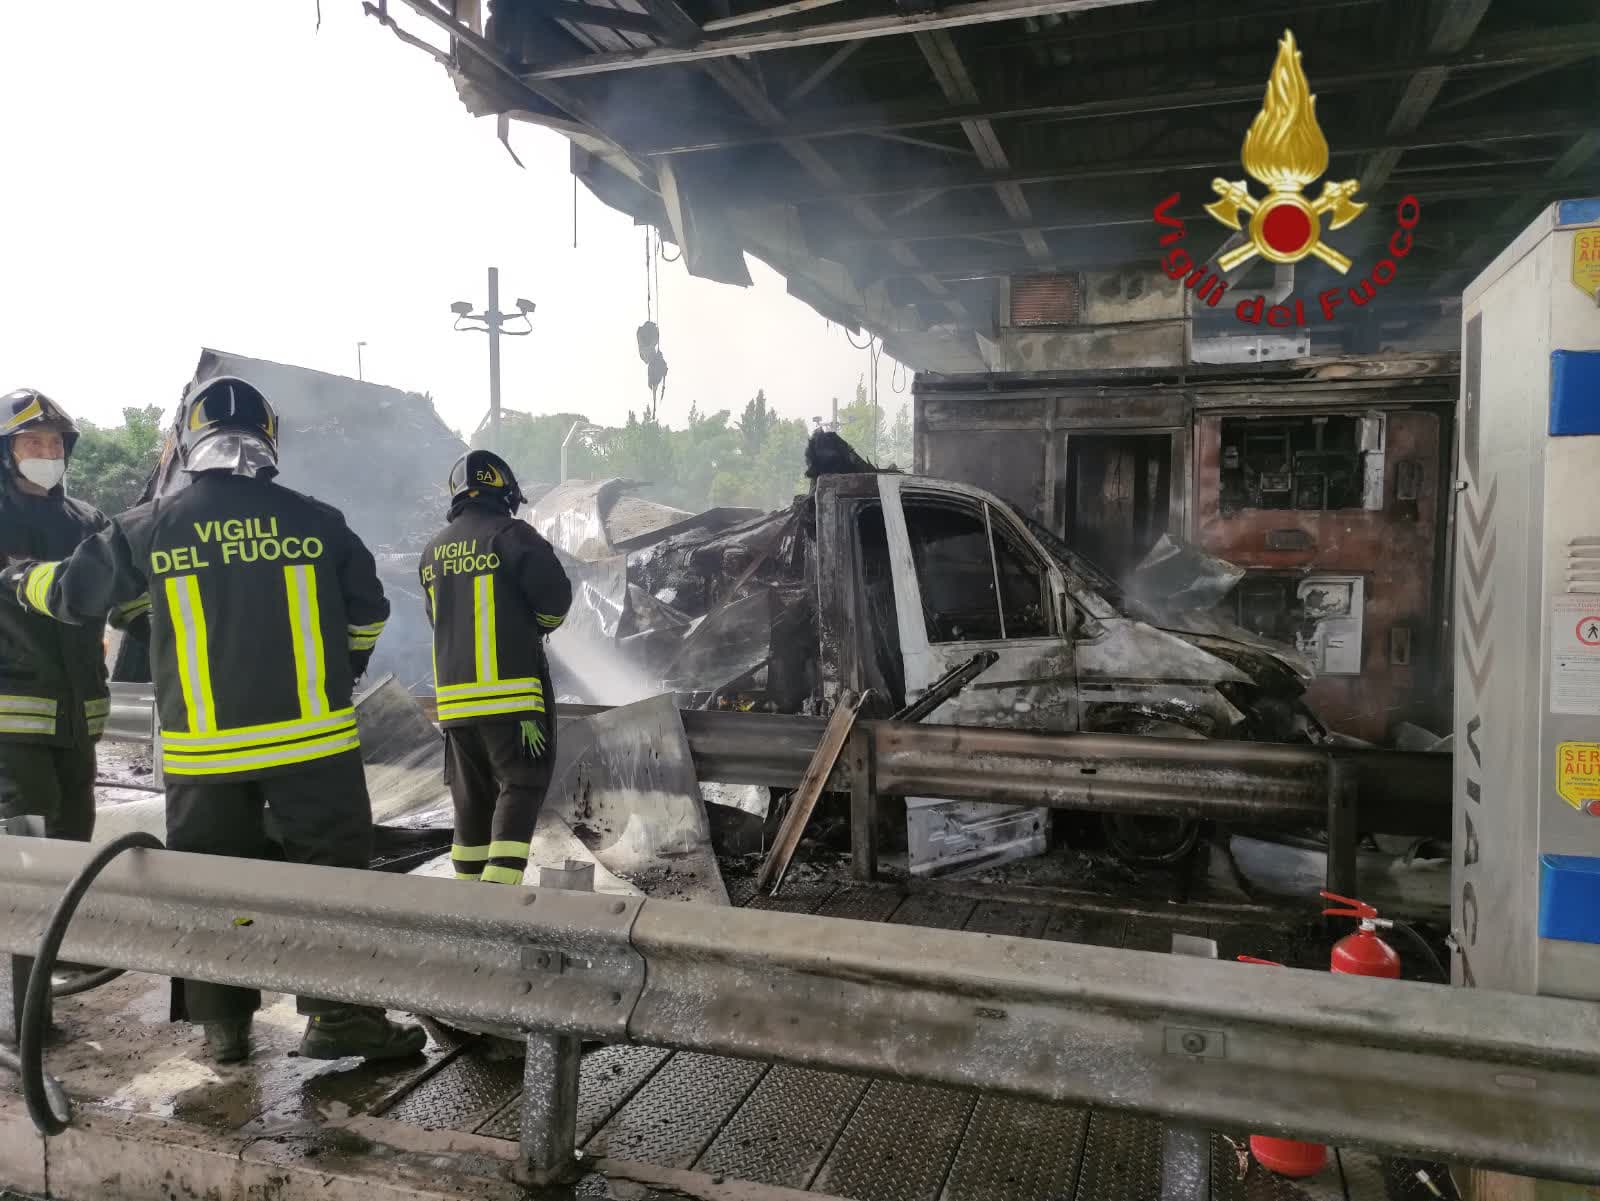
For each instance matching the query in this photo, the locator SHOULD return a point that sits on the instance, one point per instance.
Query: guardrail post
(15, 981)
(1186, 1149)
(550, 1071)
(863, 806)
(1343, 828)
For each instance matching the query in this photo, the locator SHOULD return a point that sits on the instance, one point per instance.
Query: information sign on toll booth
(1526, 873)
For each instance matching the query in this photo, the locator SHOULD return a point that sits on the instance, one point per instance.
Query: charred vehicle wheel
(1157, 841)
(1150, 840)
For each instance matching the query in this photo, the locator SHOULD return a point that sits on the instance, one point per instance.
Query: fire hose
(48, 1104)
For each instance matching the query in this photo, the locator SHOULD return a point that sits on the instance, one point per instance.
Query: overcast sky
(218, 173)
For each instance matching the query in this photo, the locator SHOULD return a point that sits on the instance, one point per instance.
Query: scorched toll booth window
(1300, 463)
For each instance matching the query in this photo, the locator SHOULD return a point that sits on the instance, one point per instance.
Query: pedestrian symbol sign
(1578, 775)
(1574, 633)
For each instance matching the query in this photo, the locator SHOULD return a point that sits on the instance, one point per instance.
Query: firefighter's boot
(356, 1030)
(228, 1041)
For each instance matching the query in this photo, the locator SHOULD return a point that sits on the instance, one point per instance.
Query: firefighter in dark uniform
(264, 609)
(53, 696)
(493, 590)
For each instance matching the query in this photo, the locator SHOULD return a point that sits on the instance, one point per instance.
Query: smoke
(588, 670)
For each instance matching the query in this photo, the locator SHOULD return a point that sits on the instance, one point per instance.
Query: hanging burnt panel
(1118, 496)
(1306, 463)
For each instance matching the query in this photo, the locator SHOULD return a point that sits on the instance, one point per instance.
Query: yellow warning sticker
(1578, 775)
(1586, 259)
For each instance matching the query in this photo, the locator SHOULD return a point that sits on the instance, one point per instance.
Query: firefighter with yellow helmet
(264, 609)
(53, 695)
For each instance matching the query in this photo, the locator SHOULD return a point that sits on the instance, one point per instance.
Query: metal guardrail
(1464, 1075)
(1345, 790)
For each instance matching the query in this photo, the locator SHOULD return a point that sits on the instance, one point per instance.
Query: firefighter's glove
(532, 739)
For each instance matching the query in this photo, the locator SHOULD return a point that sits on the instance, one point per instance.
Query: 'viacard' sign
(1284, 151)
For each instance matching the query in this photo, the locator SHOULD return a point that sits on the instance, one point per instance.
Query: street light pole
(493, 322)
(494, 319)
(359, 374)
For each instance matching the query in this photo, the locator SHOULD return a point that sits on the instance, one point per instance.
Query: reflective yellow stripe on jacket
(488, 695)
(95, 714)
(27, 715)
(35, 592)
(487, 699)
(363, 638)
(208, 749)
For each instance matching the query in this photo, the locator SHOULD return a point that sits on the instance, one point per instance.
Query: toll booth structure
(1325, 478)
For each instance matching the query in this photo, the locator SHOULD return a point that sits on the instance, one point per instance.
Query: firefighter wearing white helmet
(264, 609)
(53, 696)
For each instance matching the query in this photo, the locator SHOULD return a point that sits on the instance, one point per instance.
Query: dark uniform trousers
(320, 814)
(498, 786)
(55, 782)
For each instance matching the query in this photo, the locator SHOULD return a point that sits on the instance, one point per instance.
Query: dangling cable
(649, 299)
(899, 373)
(863, 346)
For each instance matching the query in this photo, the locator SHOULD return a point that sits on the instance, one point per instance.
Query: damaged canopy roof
(901, 164)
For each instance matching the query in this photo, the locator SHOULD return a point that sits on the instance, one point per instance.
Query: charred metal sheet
(607, 1077)
(899, 1144)
(1121, 1158)
(403, 754)
(626, 786)
(674, 1117)
(1018, 1149)
(462, 1095)
(782, 1133)
(1180, 576)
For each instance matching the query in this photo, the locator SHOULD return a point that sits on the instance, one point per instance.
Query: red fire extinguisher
(1362, 953)
(1285, 1156)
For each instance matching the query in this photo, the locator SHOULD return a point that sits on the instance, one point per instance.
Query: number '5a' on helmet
(484, 473)
(226, 424)
(28, 410)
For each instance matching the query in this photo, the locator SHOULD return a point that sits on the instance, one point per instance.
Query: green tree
(755, 423)
(897, 446)
(859, 424)
(531, 443)
(111, 464)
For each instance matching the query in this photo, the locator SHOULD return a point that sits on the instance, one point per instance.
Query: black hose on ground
(36, 1009)
(77, 982)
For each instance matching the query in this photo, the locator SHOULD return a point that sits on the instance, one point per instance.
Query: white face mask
(42, 473)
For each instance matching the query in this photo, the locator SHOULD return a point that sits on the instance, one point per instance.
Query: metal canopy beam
(736, 82)
(974, 12)
(1494, 181)
(1550, 124)
(1457, 22)
(1465, 1075)
(1505, 50)
(1560, 173)
(955, 81)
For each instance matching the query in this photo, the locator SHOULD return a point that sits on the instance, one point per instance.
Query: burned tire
(1150, 840)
